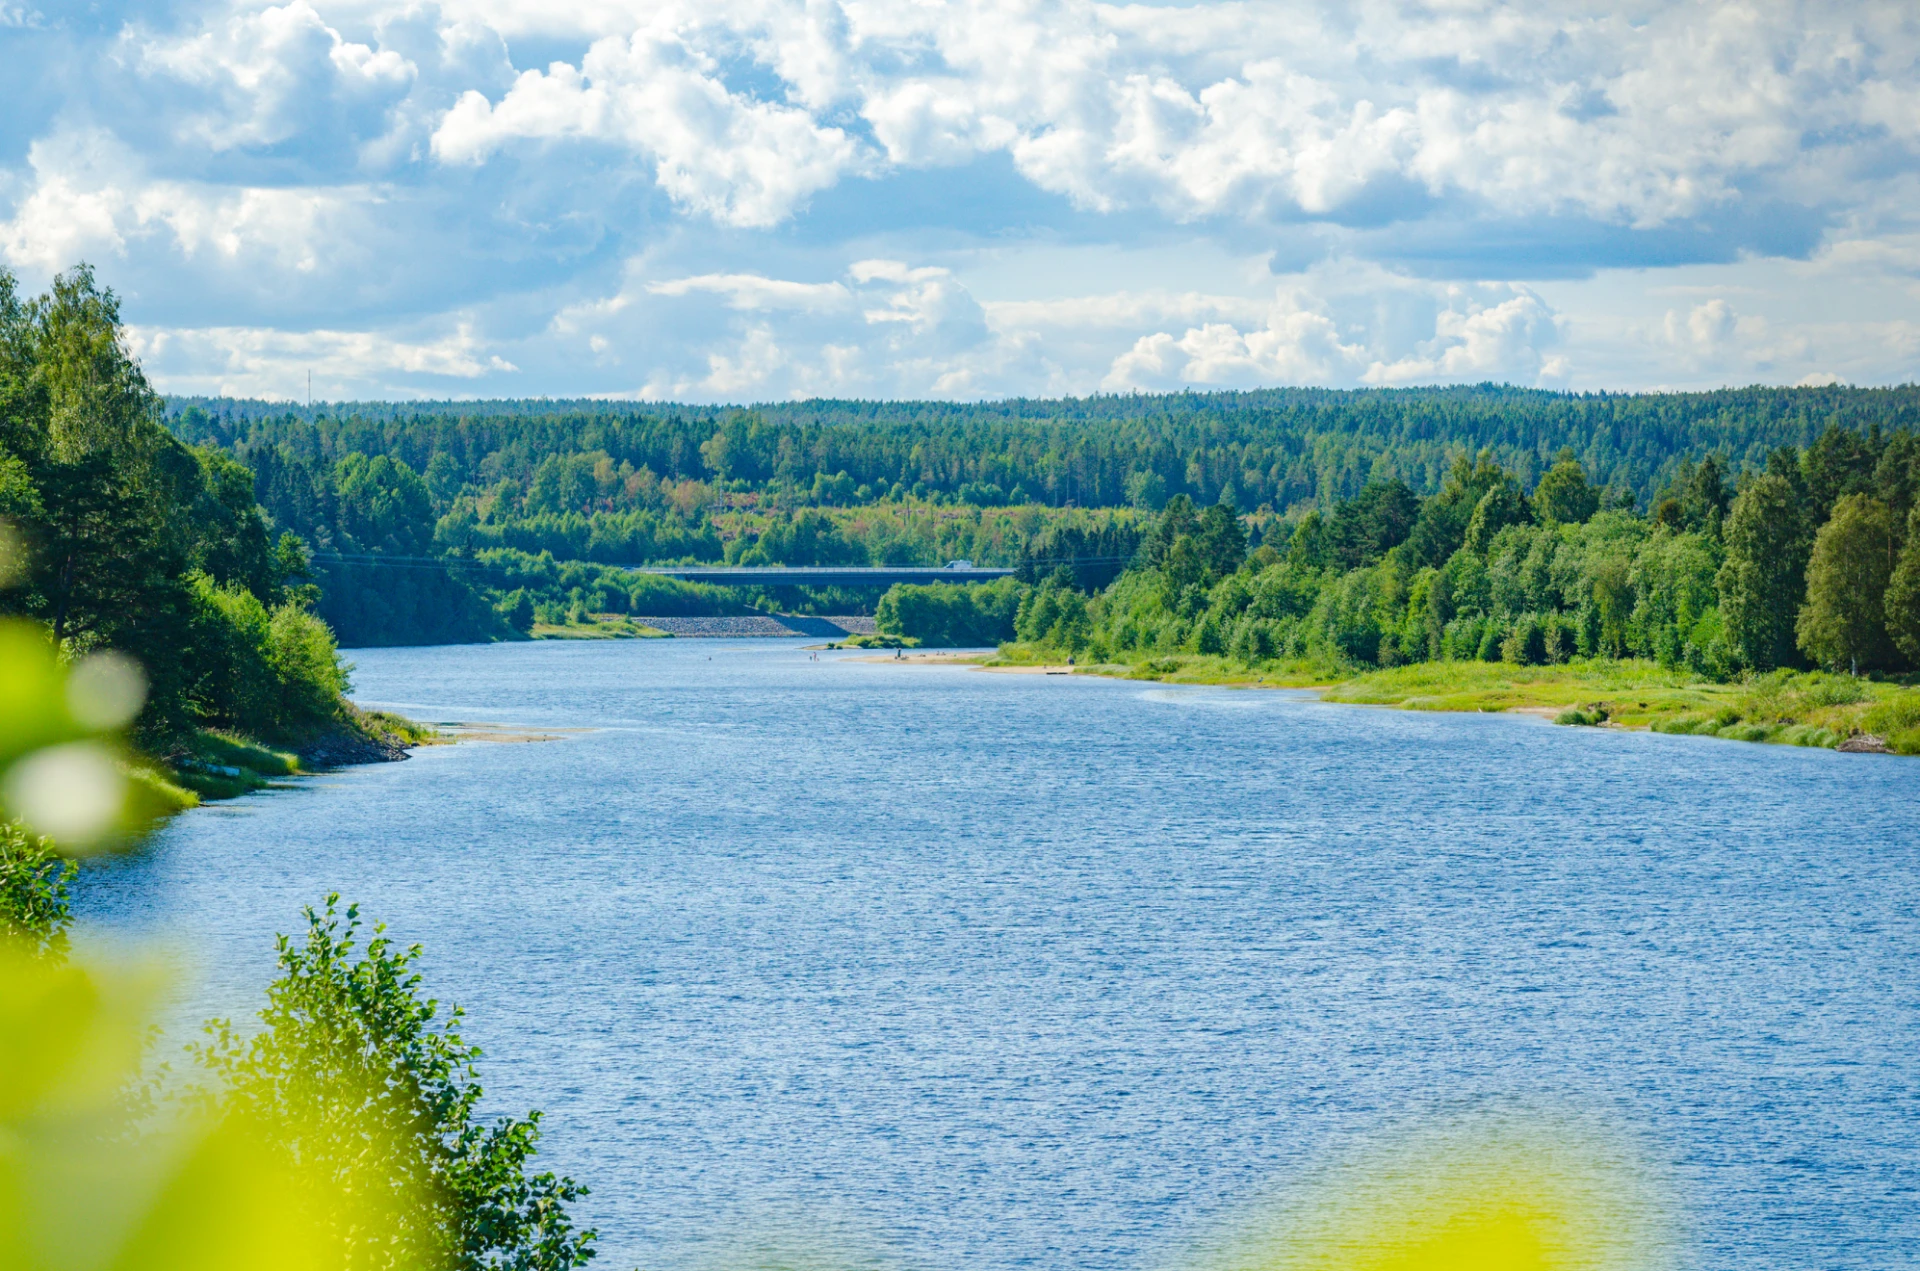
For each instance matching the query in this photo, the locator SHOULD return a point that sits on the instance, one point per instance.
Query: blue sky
(740, 200)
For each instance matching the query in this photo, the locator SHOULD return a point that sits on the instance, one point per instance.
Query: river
(935, 968)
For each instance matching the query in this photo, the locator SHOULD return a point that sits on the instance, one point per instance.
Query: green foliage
(1896, 718)
(272, 672)
(1369, 525)
(1054, 614)
(1763, 580)
(351, 1059)
(806, 538)
(1903, 593)
(135, 543)
(951, 615)
(1500, 507)
(1806, 708)
(1565, 496)
(1843, 624)
(901, 483)
(1707, 588)
(1281, 447)
(34, 908)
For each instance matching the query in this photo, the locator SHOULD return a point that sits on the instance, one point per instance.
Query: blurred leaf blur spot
(33, 693)
(82, 1186)
(106, 691)
(1498, 1194)
(73, 793)
(62, 770)
(230, 1203)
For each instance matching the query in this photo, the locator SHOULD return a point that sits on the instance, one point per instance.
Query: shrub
(34, 912)
(1525, 644)
(267, 673)
(951, 615)
(357, 1077)
(1898, 720)
(308, 679)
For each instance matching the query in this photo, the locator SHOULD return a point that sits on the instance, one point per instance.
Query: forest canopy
(1812, 561)
(414, 512)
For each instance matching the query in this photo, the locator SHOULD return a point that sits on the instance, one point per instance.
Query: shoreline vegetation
(1790, 708)
(147, 568)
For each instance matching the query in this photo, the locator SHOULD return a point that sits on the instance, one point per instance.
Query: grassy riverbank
(599, 627)
(1793, 708)
(214, 764)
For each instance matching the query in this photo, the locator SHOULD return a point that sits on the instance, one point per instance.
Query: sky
(754, 200)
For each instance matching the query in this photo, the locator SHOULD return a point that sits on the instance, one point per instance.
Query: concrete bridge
(824, 575)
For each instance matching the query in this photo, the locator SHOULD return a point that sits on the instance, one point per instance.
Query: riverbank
(211, 765)
(1810, 708)
(600, 627)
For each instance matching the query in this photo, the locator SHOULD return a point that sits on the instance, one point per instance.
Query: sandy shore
(933, 658)
(459, 732)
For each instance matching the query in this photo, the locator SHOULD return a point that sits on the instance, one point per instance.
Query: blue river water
(936, 968)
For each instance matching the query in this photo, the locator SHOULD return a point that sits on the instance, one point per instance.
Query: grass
(1810, 709)
(875, 641)
(154, 795)
(605, 626)
(1796, 708)
(1628, 693)
(219, 765)
(213, 764)
(1181, 668)
(405, 731)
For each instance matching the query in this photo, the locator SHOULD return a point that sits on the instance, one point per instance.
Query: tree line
(1274, 447)
(1811, 560)
(397, 501)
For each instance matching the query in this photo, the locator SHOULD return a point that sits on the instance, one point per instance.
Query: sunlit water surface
(945, 969)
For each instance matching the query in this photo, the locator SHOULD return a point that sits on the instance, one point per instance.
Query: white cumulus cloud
(741, 197)
(740, 161)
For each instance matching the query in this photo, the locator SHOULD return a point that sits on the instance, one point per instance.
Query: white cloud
(256, 362)
(740, 161)
(735, 197)
(1474, 339)
(271, 75)
(89, 195)
(1347, 324)
(751, 291)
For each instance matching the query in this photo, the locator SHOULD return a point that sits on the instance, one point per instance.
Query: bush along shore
(214, 764)
(148, 567)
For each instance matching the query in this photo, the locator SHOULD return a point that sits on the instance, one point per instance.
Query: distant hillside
(1273, 447)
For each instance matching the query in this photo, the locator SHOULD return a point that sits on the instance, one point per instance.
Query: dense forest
(1277, 447)
(1814, 560)
(459, 521)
